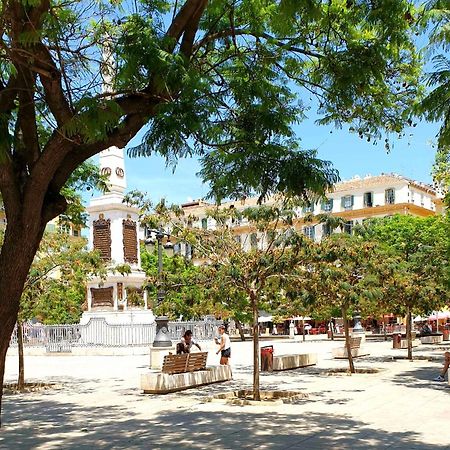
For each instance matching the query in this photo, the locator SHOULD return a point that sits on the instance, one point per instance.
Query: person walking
(224, 346)
(441, 376)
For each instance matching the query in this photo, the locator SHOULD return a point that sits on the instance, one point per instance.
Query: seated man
(441, 376)
(186, 342)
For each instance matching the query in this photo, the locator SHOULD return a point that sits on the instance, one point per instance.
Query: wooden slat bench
(355, 342)
(187, 362)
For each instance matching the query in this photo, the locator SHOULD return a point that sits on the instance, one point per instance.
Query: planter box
(286, 362)
(163, 383)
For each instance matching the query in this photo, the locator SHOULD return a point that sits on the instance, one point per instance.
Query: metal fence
(98, 333)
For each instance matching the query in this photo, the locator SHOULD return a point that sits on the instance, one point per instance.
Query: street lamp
(162, 338)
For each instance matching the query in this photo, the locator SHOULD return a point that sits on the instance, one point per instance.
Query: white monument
(114, 231)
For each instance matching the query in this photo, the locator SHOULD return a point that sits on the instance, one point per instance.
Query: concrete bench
(286, 362)
(404, 343)
(433, 339)
(187, 362)
(163, 383)
(355, 348)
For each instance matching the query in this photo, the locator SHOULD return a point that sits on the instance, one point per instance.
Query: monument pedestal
(157, 355)
(360, 334)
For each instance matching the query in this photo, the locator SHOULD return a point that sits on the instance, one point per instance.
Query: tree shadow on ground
(39, 423)
(422, 378)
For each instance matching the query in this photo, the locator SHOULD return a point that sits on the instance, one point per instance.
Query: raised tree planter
(433, 339)
(355, 348)
(286, 362)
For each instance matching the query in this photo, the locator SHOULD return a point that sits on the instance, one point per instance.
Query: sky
(412, 156)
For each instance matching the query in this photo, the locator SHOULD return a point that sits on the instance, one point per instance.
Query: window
(76, 233)
(422, 200)
(348, 227)
(389, 196)
(308, 209)
(176, 248)
(347, 202)
(188, 252)
(326, 229)
(309, 231)
(205, 223)
(253, 241)
(327, 205)
(412, 196)
(238, 239)
(368, 199)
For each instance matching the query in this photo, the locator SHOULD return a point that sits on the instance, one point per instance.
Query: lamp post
(162, 338)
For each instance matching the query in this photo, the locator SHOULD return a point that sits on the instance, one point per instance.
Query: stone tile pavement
(97, 404)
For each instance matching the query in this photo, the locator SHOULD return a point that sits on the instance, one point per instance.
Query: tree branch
(191, 30)
(181, 21)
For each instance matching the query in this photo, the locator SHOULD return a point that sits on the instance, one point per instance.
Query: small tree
(252, 272)
(339, 274)
(56, 285)
(413, 265)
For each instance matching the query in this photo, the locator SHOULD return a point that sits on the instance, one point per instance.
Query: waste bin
(397, 340)
(446, 334)
(267, 358)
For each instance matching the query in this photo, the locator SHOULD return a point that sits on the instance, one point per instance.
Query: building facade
(354, 200)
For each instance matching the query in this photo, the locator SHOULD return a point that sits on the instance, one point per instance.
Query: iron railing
(98, 333)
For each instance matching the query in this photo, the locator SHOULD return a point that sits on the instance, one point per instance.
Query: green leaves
(56, 285)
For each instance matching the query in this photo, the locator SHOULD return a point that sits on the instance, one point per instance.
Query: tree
(183, 297)
(210, 77)
(55, 288)
(413, 264)
(244, 276)
(435, 106)
(339, 274)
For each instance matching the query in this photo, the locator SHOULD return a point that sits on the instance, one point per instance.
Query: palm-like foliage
(436, 105)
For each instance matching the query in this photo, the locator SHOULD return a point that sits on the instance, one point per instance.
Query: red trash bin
(397, 340)
(446, 334)
(267, 358)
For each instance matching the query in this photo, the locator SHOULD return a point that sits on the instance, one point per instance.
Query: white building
(354, 200)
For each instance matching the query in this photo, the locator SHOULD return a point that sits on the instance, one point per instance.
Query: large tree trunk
(20, 244)
(347, 341)
(408, 333)
(254, 303)
(21, 378)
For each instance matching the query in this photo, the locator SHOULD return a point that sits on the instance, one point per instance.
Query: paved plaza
(97, 403)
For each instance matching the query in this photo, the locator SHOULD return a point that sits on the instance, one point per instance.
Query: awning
(265, 319)
(439, 315)
(420, 319)
(264, 316)
(300, 318)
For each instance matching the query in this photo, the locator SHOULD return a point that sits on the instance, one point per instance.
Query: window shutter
(353, 198)
(342, 202)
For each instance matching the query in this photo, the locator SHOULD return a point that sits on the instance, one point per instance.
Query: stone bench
(163, 383)
(404, 343)
(286, 362)
(433, 339)
(355, 348)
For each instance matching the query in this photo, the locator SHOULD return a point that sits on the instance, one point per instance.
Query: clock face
(106, 171)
